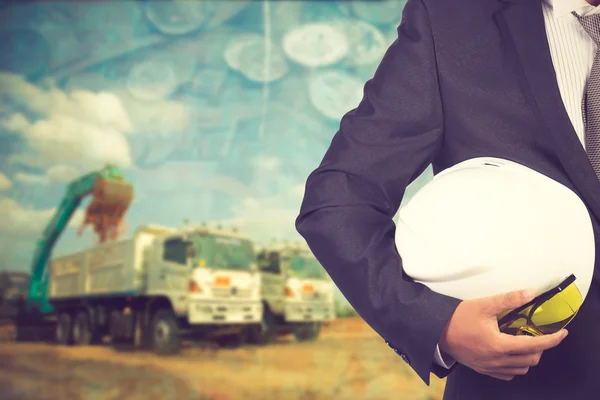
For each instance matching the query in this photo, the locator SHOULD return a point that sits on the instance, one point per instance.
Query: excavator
(111, 197)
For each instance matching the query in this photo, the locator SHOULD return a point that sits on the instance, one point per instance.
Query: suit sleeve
(347, 212)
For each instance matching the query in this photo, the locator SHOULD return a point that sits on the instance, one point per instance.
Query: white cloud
(78, 127)
(5, 183)
(85, 127)
(21, 227)
(62, 173)
(100, 109)
(161, 116)
(16, 123)
(56, 173)
(24, 221)
(64, 139)
(35, 179)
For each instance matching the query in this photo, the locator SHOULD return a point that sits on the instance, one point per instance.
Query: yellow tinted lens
(512, 326)
(556, 312)
(548, 317)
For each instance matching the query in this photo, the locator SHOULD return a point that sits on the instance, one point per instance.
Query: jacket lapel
(521, 22)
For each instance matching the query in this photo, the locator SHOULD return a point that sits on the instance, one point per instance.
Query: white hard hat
(488, 226)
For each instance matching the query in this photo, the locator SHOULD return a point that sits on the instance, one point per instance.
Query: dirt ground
(348, 361)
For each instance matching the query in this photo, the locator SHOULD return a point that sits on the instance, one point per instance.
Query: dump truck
(298, 294)
(152, 289)
(146, 290)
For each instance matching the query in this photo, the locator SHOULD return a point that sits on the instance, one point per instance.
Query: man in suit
(513, 79)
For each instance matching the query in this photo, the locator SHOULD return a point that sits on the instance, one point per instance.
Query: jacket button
(405, 358)
(402, 355)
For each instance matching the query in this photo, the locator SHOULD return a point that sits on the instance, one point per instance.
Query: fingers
(523, 361)
(512, 365)
(506, 374)
(502, 377)
(497, 374)
(507, 367)
(512, 371)
(515, 345)
(518, 361)
(498, 304)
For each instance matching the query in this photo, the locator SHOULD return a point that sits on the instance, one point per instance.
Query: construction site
(348, 361)
(153, 157)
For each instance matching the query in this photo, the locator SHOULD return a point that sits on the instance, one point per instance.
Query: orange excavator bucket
(110, 201)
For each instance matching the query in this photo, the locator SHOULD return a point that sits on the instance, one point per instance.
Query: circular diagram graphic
(178, 17)
(253, 63)
(152, 80)
(235, 47)
(315, 45)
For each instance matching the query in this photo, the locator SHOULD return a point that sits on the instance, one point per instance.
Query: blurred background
(215, 112)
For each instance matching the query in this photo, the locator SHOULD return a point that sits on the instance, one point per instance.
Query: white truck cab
(225, 284)
(222, 286)
(298, 295)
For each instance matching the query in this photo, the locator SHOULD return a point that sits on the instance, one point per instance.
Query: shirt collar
(563, 8)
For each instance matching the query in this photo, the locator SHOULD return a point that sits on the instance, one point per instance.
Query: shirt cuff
(446, 362)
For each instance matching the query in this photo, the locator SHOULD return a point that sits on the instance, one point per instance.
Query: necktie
(591, 97)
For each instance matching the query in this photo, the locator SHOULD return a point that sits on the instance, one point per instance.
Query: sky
(214, 111)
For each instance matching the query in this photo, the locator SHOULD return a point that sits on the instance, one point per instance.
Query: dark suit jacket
(465, 78)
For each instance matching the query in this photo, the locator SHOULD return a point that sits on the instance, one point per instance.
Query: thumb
(495, 305)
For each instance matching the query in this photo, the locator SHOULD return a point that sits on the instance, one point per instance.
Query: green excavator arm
(109, 189)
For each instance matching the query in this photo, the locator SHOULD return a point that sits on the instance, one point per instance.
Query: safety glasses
(546, 314)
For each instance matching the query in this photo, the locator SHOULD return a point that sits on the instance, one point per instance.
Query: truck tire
(63, 329)
(265, 332)
(82, 329)
(165, 332)
(307, 332)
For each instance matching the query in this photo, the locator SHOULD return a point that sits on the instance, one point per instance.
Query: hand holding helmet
(483, 231)
(472, 338)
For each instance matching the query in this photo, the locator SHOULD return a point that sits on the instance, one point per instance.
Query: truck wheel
(82, 332)
(165, 332)
(263, 333)
(307, 332)
(63, 329)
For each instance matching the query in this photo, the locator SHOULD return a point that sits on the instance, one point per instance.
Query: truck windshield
(306, 266)
(223, 252)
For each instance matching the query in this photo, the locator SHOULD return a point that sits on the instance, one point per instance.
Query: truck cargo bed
(108, 269)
